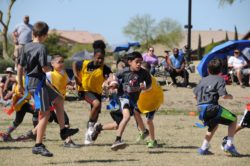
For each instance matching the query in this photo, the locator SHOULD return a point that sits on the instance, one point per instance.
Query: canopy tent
(84, 55)
(221, 51)
(125, 46)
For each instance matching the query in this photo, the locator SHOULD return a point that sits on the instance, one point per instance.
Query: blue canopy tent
(126, 46)
(221, 51)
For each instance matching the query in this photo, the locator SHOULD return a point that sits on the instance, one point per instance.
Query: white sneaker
(88, 139)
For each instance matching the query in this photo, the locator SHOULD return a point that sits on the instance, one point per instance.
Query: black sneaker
(118, 145)
(66, 132)
(97, 131)
(70, 144)
(30, 135)
(42, 151)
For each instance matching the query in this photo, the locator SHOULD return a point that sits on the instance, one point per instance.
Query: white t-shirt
(237, 62)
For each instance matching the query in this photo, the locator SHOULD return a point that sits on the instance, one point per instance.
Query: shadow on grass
(92, 161)
(13, 148)
(164, 151)
(182, 147)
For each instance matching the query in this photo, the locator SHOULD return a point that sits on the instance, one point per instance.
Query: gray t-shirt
(33, 58)
(210, 89)
(130, 82)
(24, 32)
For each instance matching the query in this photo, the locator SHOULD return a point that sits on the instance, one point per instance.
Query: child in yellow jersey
(93, 73)
(149, 101)
(60, 80)
(21, 109)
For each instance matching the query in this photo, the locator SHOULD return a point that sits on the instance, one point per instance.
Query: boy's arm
(228, 96)
(19, 79)
(222, 90)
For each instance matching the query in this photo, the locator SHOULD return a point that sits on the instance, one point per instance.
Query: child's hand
(143, 85)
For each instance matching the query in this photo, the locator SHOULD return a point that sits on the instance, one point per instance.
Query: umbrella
(221, 51)
(84, 55)
(246, 52)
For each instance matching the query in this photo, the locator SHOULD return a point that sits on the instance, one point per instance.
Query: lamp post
(189, 27)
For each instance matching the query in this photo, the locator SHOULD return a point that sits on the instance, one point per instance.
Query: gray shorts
(47, 96)
(245, 72)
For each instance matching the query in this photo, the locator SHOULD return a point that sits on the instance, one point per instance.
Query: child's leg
(123, 124)
(209, 135)
(41, 127)
(151, 129)
(59, 106)
(110, 126)
(139, 121)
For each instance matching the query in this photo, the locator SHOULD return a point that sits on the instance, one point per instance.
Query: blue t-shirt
(177, 61)
(24, 32)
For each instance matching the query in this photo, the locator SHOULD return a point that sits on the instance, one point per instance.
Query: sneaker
(118, 145)
(97, 131)
(70, 144)
(142, 136)
(66, 132)
(189, 87)
(152, 144)
(30, 135)
(204, 152)
(232, 150)
(6, 137)
(224, 142)
(42, 151)
(88, 136)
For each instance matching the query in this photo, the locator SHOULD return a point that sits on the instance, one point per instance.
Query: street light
(189, 27)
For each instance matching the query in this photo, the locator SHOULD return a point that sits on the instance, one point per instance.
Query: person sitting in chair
(177, 67)
(239, 64)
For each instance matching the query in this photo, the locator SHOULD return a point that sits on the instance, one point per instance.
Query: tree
(230, 2)
(235, 33)
(5, 26)
(226, 38)
(54, 47)
(168, 33)
(199, 50)
(141, 28)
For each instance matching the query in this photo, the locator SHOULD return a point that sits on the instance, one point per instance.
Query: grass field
(175, 132)
(176, 135)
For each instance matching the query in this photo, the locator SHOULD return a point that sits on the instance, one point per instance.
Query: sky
(108, 17)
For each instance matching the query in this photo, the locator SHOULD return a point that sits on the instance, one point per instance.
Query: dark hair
(133, 55)
(99, 50)
(99, 44)
(146, 65)
(56, 56)
(214, 66)
(40, 29)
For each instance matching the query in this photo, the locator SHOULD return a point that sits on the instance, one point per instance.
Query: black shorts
(245, 121)
(90, 97)
(117, 116)
(215, 114)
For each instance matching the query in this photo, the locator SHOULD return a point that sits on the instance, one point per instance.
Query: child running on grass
(131, 81)
(211, 113)
(33, 61)
(244, 123)
(93, 73)
(149, 101)
(21, 109)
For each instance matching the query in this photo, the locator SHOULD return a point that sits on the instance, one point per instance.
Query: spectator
(22, 35)
(177, 67)
(239, 64)
(151, 58)
(6, 85)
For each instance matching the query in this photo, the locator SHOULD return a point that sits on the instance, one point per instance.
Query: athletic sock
(11, 129)
(90, 124)
(230, 141)
(118, 138)
(39, 144)
(205, 145)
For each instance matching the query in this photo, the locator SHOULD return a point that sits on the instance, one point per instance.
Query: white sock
(205, 145)
(230, 141)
